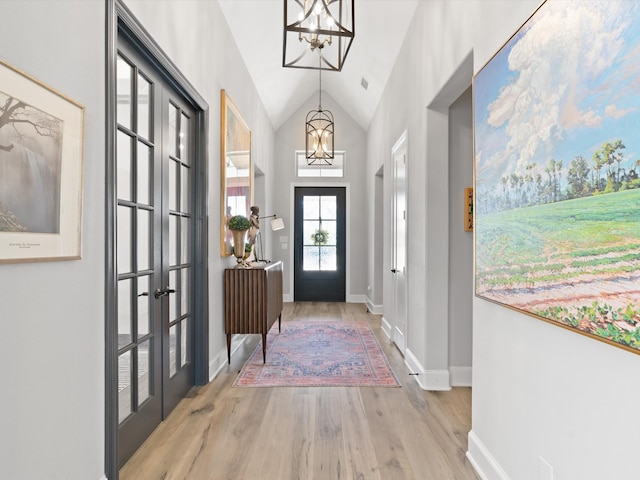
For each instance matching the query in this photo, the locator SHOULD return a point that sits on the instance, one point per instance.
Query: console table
(252, 301)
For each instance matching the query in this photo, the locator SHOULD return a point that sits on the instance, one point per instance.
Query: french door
(320, 244)
(154, 232)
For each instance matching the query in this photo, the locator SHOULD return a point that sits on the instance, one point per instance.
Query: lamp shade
(277, 224)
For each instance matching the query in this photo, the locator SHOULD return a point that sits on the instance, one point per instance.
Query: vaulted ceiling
(380, 28)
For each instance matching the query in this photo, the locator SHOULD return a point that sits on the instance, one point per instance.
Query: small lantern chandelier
(319, 132)
(310, 25)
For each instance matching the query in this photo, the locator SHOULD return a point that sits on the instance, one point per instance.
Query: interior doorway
(156, 277)
(399, 243)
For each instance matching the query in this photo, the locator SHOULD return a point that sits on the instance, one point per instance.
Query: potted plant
(238, 224)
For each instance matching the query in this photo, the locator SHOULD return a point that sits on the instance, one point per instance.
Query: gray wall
(52, 313)
(350, 138)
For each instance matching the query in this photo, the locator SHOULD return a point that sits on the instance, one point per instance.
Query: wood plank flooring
(311, 433)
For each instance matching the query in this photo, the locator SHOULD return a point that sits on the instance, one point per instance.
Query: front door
(399, 243)
(320, 244)
(155, 232)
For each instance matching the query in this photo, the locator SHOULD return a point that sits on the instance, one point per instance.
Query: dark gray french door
(320, 244)
(154, 248)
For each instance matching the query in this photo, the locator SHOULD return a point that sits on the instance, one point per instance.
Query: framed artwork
(557, 170)
(41, 170)
(236, 170)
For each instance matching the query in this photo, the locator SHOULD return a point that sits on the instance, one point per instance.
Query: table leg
(229, 348)
(264, 348)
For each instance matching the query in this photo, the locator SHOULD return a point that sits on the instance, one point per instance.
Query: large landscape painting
(557, 158)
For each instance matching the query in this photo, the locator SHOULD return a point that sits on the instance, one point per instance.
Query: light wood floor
(312, 433)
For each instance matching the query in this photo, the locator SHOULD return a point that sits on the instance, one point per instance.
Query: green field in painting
(550, 259)
(579, 228)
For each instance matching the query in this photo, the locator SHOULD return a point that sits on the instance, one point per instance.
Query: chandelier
(323, 26)
(319, 133)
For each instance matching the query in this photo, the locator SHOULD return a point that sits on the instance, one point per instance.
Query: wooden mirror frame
(236, 169)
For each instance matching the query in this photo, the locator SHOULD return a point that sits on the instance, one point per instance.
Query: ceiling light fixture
(326, 26)
(319, 133)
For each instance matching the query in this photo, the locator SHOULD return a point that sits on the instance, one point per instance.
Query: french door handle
(393, 270)
(162, 293)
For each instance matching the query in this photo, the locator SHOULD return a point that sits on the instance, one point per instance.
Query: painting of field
(557, 159)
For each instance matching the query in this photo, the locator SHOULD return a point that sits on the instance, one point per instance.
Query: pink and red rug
(319, 354)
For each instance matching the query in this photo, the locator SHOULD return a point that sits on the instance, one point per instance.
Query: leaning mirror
(236, 169)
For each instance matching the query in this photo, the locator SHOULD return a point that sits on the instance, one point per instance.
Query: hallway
(314, 433)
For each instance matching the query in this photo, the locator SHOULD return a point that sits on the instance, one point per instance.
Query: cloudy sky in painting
(567, 82)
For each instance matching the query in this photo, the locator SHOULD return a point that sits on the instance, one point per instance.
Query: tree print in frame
(557, 170)
(41, 165)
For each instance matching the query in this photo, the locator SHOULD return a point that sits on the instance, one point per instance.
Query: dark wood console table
(252, 301)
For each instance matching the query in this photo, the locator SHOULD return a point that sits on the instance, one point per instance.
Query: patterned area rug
(319, 354)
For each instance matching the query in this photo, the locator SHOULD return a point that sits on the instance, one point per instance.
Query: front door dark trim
(332, 284)
(120, 21)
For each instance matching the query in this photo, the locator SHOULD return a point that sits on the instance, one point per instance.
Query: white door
(399, 242)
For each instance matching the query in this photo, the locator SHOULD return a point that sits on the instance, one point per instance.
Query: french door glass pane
(185, 191)
(328, 208)
(123, 86)
(123, 163)
(174, 302)
(183, 342)
(124, 386)
(144, 299)
(145, 247)
(144, 372)
(124, 313)
(124, 239)
(173, 240)
(173, 128)
(174, 169)
(311, 207)
(173, 343)
(185, 291)
(144, 176)
(185, 154)
(144, 99)
(185, 256)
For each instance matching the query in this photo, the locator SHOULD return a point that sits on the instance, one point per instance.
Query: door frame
(120, 21)
(292, 195)
(401, 145)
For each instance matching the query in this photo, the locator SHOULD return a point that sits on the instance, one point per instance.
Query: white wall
(349, 137)
(52, 313)
(196, 37)
(460, 241)
(538, 390)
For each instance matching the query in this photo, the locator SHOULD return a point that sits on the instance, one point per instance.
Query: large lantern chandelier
(319, 133)
(323, 26)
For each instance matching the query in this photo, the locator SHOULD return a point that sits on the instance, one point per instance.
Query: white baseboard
(103, 478)
(217, 363)
(356, 299)
(483, 462)
(461, 376)
(375, 309)
(287, 298)
(433, 380)
(386, 327)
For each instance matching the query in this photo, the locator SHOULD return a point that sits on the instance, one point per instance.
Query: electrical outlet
(545, 471)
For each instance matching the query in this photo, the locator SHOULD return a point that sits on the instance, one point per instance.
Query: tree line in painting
(603, 173)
